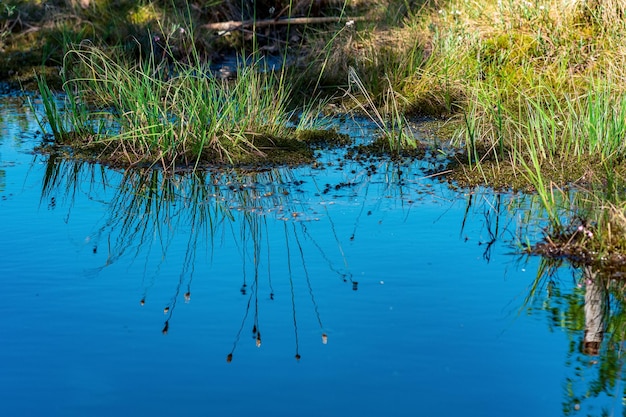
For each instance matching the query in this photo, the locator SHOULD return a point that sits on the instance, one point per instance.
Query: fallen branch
(233, 25)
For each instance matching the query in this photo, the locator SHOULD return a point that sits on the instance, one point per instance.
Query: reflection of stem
(466, 214)
(344, 276)
(229, 358)
(256, 332)
(145, 273)
(293, 295)
(169, 310)
(594, 317)
(243, 257)
(188, 264)
(269, 270)
(492, 212)
(308, 281)
(358, 217)
(545, 271)
(493, 234)
(332, 227)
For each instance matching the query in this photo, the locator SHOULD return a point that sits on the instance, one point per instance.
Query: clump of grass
(171, 113)
(391, 124)
(67, 120)
(519, 68)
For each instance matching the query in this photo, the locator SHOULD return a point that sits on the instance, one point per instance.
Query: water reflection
(14, 115)
(493, 212)
(291, 236)
(593, 315)
(149, 211)
(595, 309)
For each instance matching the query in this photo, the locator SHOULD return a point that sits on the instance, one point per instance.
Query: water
(335, 291)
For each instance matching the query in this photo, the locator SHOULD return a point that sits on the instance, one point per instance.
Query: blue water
(114, 304)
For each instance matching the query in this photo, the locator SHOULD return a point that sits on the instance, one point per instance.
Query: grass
(175, 114)
(158, 103)
(518, 72)
(390, 122)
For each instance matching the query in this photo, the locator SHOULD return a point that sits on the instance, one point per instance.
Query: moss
(382, 148)
(145, 14)
(266, 151)
(562, 171)
(321, 138)
(83, 147)
(436, 103)
(440, 129)
(276, 151)
(510, 48)
(490, 172)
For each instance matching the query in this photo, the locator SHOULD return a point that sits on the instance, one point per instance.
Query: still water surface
(346, 290)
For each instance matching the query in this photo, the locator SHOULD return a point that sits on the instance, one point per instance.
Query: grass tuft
(167, 112)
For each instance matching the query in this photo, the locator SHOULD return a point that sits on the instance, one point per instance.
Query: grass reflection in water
(150, 210)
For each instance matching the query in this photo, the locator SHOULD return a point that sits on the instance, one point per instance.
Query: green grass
(390, 122)
(172, 114)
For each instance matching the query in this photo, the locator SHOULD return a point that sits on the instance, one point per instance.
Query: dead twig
(233, 25)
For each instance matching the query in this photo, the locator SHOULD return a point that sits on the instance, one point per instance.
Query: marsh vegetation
(529, 95)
